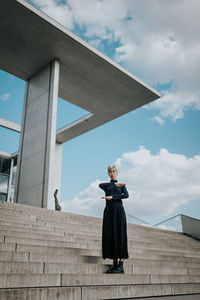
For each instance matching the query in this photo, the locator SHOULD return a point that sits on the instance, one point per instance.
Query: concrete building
(46, 254)
(8, 166)
(54, 62)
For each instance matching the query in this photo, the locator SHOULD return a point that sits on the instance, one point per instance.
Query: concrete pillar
(56, 181)
(36, 171)
(10, 180)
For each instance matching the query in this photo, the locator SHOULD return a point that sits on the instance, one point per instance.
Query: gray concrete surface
(40, 252)
(37, 176)
(88, 78)
(180, 297)
(191, 226)
(10, 125)
(55, 62)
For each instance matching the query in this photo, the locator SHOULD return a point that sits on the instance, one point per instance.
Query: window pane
(3, 184)
(1, 163)
(6, 165)
(3, 197)
(12, 186)
(15, 161)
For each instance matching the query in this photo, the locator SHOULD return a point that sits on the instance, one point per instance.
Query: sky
(156, 148)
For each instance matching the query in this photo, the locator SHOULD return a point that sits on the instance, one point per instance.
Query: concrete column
(36, 162)
(10, 180)
(56, 182)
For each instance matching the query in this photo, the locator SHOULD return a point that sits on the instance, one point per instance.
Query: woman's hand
(107, 197)
(120, 184)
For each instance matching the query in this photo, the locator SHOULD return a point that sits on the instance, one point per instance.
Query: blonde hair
(112, 167)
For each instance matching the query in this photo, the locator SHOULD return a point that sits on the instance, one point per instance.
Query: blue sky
(156, 147)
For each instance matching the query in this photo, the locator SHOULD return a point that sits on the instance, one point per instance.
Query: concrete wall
(36, 162)
(191, 226)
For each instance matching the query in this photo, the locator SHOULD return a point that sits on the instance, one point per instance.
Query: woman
(114, 231)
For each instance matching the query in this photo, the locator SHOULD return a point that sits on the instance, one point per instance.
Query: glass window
(4, 184)
(1, 158)
(14, 170)
(6, 165)
(12, 186)
(3, 197)
(15, 161)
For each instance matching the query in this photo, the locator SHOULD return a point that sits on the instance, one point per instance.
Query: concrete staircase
(49, 255)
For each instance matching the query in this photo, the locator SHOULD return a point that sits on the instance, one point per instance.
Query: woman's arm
(123, 195)
(103, 186)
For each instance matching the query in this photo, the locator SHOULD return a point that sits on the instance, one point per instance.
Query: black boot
(115, 265)
(120, 268)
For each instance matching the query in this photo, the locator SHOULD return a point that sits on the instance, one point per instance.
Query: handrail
(138, 219)
(184, 224)
(166, 220)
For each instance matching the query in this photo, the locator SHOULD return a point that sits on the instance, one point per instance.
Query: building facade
(8, 166)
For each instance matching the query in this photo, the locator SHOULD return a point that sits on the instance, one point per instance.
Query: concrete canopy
(10, 125)
(30, 40)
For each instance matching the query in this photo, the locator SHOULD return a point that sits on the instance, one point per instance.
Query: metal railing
(134, 220)
(179, 223)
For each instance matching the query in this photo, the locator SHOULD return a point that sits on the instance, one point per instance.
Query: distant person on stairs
(57, 205)
(114, 230)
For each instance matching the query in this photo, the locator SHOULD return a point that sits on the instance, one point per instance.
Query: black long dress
(114, 229)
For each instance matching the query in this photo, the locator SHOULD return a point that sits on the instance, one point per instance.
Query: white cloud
(157, 184)
(4, 97)
(88, 202)
(174, 105)
(159, 41)
(96, 43)
(159, 120)
(60, 12)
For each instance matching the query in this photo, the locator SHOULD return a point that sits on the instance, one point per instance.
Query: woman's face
(113, 174)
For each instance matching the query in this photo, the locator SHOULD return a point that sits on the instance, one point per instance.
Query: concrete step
(51, 226)
(20, 227)
(69, 249)
(85, 268)
(87, 232)
(57, 255)
(29, 280)
(51, 239)
(128, 291)
(96, 222)
(40, 242)
(166, 253)
(51, 268)
(91, 268)
(5, 229)
(7, 247)
(141, 260)
(17, 280)
(79, 219)
(44, 293)
(21, 267)
(13, 256)
(72, 237)
(188, 263)
(134, 241)
(44, 217)
(107, 279)
(91, 244)
(174, 297)
(40, 246)
(167, 247)
(94, 292)
(55, 250)
(29, 210)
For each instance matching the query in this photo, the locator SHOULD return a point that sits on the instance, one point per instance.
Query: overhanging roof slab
(88, 78)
